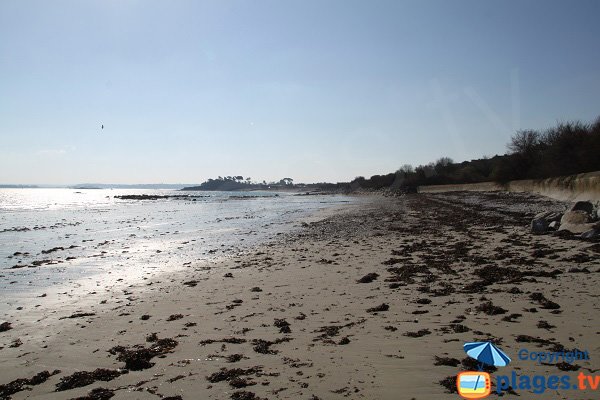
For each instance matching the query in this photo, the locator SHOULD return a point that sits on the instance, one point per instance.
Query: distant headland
(235, 183)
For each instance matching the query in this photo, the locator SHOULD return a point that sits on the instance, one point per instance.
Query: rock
(554, 225)
(577, 221)
(550, 216)
(585, 206)
(575, 217)
(539, 225)
(541, 222)
(578, 228)
(592, 233)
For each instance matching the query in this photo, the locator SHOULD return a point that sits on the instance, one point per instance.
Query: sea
(63, 239)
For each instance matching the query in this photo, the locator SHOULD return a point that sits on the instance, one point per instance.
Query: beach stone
(575, 217)
(591, 234)
(539, 225)
(549, 216)
(578, 228)
(583, 206)
(541, 222)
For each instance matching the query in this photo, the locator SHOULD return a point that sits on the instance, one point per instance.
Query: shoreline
(83, 253)
(312, 330)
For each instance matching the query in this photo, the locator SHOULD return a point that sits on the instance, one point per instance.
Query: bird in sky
(102, 126)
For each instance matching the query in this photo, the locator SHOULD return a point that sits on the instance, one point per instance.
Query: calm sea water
(54, 238)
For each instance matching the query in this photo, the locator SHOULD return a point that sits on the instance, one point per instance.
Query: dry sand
(292, 321)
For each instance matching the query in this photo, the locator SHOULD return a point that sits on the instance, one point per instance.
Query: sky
(313, 90)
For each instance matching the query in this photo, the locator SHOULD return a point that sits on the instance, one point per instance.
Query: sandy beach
(303, 200)
(366, 301)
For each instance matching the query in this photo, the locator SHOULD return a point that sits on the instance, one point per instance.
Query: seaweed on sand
(368, 278)
(283, 325)
(230, 340)
(84, 378)
(5, 326)
(449, 383)
(97, 394)
(225, 374)
(264, 346)
(419, 333)
(17, 385)
(489, 308)
(379, 308)
(333, 330)
(491, 274)
(543, 301)
(447, 361)
(138, 357)
(244, 395)
(511, 317)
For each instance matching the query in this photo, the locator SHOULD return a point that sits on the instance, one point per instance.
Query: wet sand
(372, 301)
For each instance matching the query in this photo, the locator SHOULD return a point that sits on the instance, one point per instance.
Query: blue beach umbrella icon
(487, 353)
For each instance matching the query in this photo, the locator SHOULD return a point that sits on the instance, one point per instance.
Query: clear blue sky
(313, 90)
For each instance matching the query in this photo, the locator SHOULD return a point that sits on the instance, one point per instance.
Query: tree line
(565, 149)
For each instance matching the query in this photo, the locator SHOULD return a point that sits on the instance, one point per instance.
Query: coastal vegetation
(565, 149)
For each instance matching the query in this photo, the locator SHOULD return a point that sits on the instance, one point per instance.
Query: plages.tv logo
(478, 384)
